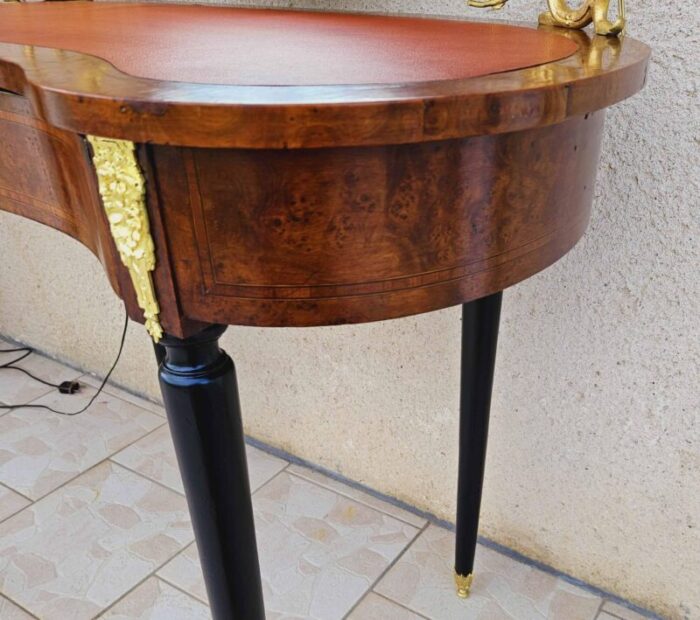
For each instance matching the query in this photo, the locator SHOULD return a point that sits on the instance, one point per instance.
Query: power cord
(67, 387)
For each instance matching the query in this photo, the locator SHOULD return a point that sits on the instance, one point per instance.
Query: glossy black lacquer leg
(480, 320)
(159, 350)
(199, 388)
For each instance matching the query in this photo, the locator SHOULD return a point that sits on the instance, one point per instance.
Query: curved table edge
(90, 96)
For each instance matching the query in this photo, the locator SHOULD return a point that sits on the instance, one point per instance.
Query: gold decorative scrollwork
(561, 14)
(123, 191)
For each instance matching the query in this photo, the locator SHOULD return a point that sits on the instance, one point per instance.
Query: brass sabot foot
(464, 584)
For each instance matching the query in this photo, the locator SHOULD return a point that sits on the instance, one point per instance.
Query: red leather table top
(222, 45)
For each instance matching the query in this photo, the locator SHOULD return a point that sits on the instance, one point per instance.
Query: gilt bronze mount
(464, 584)
(562, 15)
(123, 191)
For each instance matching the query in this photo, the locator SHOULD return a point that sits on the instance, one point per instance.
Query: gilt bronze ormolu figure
(561, 14)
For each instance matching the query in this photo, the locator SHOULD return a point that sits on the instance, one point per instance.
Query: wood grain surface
(85, 94)
(306, 205)
(348, 235)
(258, 47)
(45, 176)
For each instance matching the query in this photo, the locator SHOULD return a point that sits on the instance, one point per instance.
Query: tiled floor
(93, 523)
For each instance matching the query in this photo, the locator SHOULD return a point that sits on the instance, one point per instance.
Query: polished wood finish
(321, 236)
(310, 205)
(349, 235)
(256, 47)
(86, 94)
(45, 176)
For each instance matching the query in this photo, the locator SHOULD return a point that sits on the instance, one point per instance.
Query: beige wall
(594, 461)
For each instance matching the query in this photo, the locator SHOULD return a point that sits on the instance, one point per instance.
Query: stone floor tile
(153, 456)
(262, 466)
(112, 389)
(185, 572)
(10, 611)
(40, 450)
(624, 613)
(18, 388)
(422, 580)
(319, 551)
(323, 544)
(76, 551)
(10, 503)
(375, 607)
(156, 600)
(356, 494)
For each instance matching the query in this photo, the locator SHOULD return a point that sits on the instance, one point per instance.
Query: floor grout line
(296, 460)
(386, 598)
(107, 459)
(155, 570)
(177, 587)
(174, 585)
(36, 354)
(109, 386)
(14, 602)
(609, 613)
(111, 458)
(389, 566)
(144, 476)
(264, 484)
(292, 459)
(63, 484)
(443, 523)
(91, 387)
(49, 389)
(72, 366)
(153, 573)
(6, 408)
(15, 513)
(105, 390)
(355, 499)
(7, 486)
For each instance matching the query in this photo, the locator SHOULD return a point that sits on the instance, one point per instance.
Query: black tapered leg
(159, 350)
(480, 320)
(198, 382)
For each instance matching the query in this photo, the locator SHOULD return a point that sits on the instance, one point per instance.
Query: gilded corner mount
(563, 15)
(123, 190)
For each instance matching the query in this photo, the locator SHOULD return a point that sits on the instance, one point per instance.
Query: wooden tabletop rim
(146, 110)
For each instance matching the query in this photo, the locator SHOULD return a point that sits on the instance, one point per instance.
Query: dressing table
(291, 169)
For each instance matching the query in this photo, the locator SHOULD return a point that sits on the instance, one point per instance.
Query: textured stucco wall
(594, 460)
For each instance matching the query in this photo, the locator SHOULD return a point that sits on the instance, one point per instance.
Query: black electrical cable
(27, 351)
